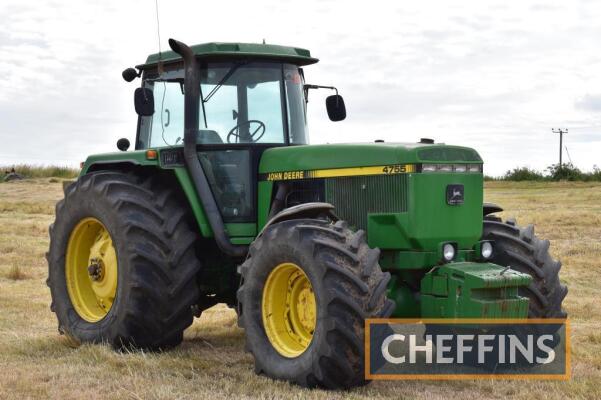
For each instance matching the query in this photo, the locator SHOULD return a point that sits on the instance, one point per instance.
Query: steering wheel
(253, 137)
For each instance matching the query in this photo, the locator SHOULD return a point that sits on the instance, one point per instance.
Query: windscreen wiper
(215, 89)
(222, 81)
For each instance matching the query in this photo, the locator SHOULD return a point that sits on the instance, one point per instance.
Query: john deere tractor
(224, 201)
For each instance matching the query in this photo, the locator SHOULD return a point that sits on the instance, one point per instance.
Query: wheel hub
(91, 270)
(96, 270)
(289, 310)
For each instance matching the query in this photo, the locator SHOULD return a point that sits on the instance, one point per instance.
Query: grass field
(36, 362)
(29, 171)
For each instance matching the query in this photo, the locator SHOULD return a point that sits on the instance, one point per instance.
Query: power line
(568, 153)
(591, 127)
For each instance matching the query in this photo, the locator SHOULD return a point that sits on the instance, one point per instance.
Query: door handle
(168, 118)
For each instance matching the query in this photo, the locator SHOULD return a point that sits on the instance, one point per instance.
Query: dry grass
(35, 362)
(15, 273)
(30, 171)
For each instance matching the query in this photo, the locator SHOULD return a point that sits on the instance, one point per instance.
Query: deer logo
(455, 194)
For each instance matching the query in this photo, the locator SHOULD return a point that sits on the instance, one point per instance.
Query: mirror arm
(308, 86)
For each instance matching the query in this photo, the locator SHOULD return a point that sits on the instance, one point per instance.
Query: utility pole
(561, 132)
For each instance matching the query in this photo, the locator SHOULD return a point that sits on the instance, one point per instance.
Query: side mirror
(129, 74)
(123, 144)
(144, 102)
(335, 107)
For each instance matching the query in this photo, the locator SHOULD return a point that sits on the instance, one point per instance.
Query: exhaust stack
(191, 120)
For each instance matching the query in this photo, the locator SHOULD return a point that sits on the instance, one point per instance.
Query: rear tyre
(122, 262)
(308, 285)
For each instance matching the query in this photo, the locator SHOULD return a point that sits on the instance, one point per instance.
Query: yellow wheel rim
(289, 310)
(91, 270)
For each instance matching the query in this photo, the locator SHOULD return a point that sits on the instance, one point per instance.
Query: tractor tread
(157, 245)
(361, 286)
(352, 287)
(521, 249)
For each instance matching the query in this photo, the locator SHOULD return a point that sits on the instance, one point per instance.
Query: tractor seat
(207, 136)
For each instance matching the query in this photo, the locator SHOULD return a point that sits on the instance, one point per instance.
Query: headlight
(486, 250)
(448, 252)
(461, 168)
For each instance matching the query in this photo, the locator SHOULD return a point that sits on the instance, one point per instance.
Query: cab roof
(220, 50)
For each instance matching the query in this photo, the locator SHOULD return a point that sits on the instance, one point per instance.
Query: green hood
(297, 158)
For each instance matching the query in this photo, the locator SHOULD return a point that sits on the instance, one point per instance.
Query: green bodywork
(429, 219)
(410, 241)
(404, 210)
(473, 290)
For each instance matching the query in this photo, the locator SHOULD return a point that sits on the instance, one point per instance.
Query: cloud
(489, 74)
(589, 102)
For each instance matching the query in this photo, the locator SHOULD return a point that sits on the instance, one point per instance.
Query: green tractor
(223, 201)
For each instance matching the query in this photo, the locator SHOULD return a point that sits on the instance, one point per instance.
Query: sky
(492, 75)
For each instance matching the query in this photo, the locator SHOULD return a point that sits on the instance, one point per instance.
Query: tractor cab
(250, 97)
(241, 102)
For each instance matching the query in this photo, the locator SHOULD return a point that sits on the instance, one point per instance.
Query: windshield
(252, 102)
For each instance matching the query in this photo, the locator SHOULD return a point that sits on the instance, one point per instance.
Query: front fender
(305, 210)
(490, 208)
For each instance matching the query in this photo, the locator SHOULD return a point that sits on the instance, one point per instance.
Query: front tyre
(519, 248)
(122, 262)
(308, 286)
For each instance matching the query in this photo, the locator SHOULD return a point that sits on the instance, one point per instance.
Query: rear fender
(176, 176)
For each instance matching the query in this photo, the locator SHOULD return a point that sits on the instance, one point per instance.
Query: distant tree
(596, 174)
(567, 172)
(552, 173)
(523, 174)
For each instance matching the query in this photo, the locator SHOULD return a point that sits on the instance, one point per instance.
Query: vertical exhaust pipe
(199, 178)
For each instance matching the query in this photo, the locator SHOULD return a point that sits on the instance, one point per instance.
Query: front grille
(356, 196)
(306, 191)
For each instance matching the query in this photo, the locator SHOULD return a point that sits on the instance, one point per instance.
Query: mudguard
(305, 210)
(490, 208)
